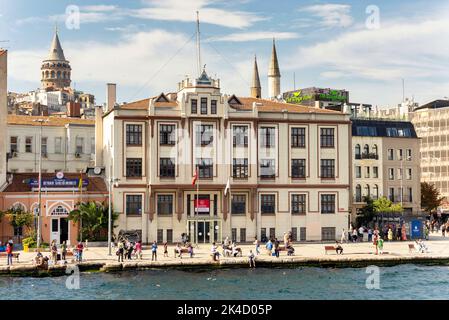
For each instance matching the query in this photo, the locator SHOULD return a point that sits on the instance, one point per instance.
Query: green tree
(367, 213)
(18, 218)
(383, 204)
(93, 219)
(430, 197)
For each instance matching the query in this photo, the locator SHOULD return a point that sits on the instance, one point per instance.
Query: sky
(148, 46)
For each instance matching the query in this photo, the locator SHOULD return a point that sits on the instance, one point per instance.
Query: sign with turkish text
(202, 205)
(58, 183)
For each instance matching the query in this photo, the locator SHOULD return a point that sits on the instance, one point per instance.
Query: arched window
(375, 149)
(375, 191)
(358, 193)
(366, 149)
(59, 211)
(19, 206)
(58, 74)
(52, 74)
(367, 191)
(357, 151)
(46, 74)
(64, 74)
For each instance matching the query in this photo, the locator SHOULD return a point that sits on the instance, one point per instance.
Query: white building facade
(287, 166)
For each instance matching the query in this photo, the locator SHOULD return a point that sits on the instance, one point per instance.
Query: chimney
(98, 136)
(111, 95)
(73, 109)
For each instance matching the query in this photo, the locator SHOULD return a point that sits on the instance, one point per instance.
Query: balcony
(370, 156)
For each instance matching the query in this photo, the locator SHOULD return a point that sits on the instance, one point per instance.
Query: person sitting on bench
(338, 248)
(290, 250)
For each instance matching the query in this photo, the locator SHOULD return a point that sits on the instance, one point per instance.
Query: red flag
(195, 177)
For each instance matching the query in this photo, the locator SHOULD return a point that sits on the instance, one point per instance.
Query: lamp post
(40, 121)
(111, 183)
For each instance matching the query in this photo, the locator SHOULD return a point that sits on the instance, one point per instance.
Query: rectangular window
(134, 167)
(294, 234)
(391, 194)
(298, 205)
(375, 172)
(263, 233)
(169, 235)
(164, 204)
(399, 174)
(267, 204)
(327, 138)
(79, 145)
(203, 105)
(18, 231)
(409, 173)
(44, 147)
(390, 173)
(242, 235)
(234, 234)
(409, 154)
(213, 106)
(298, 138)
(13, 144)
(410, 195)
(328, 234)
(29, 144)
(267, 169)
(240, 136)
(240, 168)
(298, 168)
(134, 204)
(167, 134)
(167, 168)
(133, 134)
(160, 235)
(327, 168)
(194, 106)
(358, 172)
(390, 154)
(302, 234)
(328, 203)
(367, 172)
(204, 135)
(399, 154)
(206, 167)
(272, 233)
(267, 137)
(238, 204)
(92, 145)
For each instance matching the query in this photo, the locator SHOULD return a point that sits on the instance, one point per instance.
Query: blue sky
(144, 46)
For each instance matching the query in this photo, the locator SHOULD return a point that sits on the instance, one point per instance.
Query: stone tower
(274, 75)
(256, 89)
(3, 115)
(56, 70)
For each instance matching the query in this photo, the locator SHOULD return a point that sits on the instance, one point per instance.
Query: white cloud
(255, 36)
(331, 15)
(100, 8)
(181, 10)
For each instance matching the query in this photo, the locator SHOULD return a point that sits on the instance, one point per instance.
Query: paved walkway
(439, 247)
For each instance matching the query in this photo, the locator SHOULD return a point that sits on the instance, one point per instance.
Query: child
(380, 245)
(251, 257)
(190, 248)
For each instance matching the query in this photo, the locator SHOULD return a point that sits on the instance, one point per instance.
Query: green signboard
(309, 95)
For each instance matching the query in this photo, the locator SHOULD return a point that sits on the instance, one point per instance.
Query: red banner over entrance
(202, 205)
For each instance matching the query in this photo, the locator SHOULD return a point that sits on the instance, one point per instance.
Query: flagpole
(197, 201)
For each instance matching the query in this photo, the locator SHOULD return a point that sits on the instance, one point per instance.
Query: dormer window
(194, 106)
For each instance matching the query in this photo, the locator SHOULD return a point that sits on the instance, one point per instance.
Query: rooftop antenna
(198, 42)
(294, 81)
(403, 90)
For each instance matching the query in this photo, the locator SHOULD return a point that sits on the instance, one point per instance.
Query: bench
(328, 248)
(15, 255)
(411, 248)
(227, 251)
(183, 250)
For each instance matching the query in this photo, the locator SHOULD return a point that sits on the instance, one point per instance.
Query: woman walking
(257, 245)
(154, 251)
(165, 249)
(139, 250)
(54, 252)
(63, 250)
(120, 252)
(390, 234)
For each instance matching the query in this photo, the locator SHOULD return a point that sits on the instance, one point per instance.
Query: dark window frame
(298, 204)
(327, 168)
(134, 167)
(213, 107)
(328, 203)
(203, 106)
(167, 134)
(327, 137)
(298, 168)
(240, 168)
(204, 134)
(268, 204)
(298, 137)
(240, 133)
(205, 168)
(134, 134)
(266, 164)
(238, 204)
(165, 204)
(268, 137)
(133, 204)
(167, 168)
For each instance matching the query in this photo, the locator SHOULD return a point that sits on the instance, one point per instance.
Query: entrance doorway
(204, 230)
(59, 230)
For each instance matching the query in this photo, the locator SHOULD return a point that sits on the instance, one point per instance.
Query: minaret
(56, 70)
(256, 89)
(274, 75)
(3, 115)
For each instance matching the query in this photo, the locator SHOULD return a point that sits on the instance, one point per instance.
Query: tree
(430, 197)
(367, 213)
(93, 219)
(384, 205)
(18, 218)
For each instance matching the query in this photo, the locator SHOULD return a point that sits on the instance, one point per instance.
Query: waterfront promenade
(313, 254)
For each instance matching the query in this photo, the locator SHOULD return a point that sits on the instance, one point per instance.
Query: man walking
(9, 253)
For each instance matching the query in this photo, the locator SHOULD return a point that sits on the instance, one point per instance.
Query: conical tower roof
(273, 70)
(56, 52)
(256, 79)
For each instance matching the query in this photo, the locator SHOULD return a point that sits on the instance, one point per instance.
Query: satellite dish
(97, 170)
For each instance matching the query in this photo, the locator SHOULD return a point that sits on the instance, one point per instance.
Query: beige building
(3, 114)
(386, 163)
(287, 165)
(432, 126)
(68, 144)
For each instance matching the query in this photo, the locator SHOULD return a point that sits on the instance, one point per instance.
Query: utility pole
(111, 183)
(41, 121)
(198, 42)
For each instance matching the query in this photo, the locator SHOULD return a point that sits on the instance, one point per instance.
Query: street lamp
(111, 183)
(40, 121)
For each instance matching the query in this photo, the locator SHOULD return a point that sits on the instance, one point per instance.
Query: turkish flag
(195, 177)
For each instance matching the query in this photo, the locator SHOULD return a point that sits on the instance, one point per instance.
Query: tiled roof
(18, 184)
(52, 121)
(274, 106)
(137, 105)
